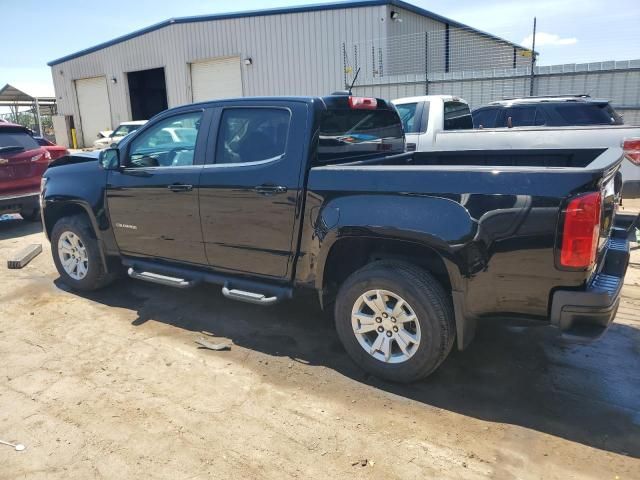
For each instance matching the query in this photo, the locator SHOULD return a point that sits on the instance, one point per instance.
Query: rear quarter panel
(494, 229)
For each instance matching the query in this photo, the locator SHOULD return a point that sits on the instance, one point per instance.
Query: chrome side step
(249, 297)
(160, 279)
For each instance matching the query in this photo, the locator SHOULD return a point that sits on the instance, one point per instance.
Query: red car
(22, 163)
(56, 151)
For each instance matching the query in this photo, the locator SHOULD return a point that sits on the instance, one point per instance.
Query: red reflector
(581, 231)
(631, 147)
(363, 103)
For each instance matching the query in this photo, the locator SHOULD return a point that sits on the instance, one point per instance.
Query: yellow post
(74, 139)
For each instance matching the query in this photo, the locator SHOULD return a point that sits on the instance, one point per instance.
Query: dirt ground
(112, 385)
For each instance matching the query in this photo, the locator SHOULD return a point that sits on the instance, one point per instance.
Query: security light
(395, 16)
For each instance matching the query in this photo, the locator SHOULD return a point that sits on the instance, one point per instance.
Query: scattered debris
(363, 462)
(213, 346)
(24, 256)
(17, 446)
(204, 332)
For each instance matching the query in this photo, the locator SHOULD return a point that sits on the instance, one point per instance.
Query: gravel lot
(112, 385)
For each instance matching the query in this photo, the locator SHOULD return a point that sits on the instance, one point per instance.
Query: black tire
(32, 215)
(430, 303)
(96, 276)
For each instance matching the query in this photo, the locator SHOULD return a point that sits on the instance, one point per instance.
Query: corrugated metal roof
(276, 11)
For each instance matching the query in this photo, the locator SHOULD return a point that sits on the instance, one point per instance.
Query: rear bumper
(591, 310)
(15, 203)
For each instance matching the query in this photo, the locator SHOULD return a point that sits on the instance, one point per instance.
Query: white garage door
(213, 79)
(95, 111)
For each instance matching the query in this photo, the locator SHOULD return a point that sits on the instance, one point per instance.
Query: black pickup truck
(265, 196)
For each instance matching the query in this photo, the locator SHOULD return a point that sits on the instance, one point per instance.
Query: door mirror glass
(109, 158)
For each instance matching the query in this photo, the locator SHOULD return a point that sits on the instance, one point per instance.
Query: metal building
(284, 51)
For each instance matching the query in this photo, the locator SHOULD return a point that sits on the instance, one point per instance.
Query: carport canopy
(15, 98)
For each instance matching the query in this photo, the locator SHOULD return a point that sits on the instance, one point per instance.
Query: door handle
(270, 189)
(180, 187)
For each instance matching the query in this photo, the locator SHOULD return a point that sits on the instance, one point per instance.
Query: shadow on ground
(13, 226)
(517, 373)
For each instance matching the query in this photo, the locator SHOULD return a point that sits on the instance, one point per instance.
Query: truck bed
(591, 159)
(495, 214)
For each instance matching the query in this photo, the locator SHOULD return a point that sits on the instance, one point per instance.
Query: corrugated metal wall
(293, 54)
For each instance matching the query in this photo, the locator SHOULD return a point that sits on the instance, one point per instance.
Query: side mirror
(110, 158)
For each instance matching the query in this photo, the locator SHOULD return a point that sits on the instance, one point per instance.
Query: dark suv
(562, 111)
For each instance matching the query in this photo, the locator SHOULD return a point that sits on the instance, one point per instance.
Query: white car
(125, 128)
(443, 123)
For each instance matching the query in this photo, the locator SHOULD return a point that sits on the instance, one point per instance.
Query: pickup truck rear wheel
(76, 254)
(395, 320)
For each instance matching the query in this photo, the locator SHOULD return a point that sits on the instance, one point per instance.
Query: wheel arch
(346, 254)
(54, 211)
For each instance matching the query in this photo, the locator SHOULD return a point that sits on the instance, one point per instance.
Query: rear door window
(524, 116)
(350, 134)
(457, 116)
(252, 134)
(541, 117)
(16, 137)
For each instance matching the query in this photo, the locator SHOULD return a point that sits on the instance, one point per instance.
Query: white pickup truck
(443, 123)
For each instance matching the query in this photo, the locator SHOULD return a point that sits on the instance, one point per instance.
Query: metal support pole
(533, 58)
(447, 46)
(38, 116)
(426, 63)
(344, 65)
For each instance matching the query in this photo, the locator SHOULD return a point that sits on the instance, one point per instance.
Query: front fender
(74, 186)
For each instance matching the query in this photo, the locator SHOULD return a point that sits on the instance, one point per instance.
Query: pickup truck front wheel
(395, 320)
(76, 254)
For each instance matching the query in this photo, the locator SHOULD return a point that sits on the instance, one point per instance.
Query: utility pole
(39, 118)
(533, 58)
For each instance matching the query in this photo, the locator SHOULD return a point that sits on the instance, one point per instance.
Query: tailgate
(21, 172)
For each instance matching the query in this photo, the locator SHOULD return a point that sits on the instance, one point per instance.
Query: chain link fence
(481, 68)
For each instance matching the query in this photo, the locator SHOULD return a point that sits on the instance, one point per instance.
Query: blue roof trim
(276, 11)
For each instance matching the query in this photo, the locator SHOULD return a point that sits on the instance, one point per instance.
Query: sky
(569, 31)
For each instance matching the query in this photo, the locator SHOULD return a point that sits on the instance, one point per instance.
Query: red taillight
(631, 147)
(581, 231)
(363, 103)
